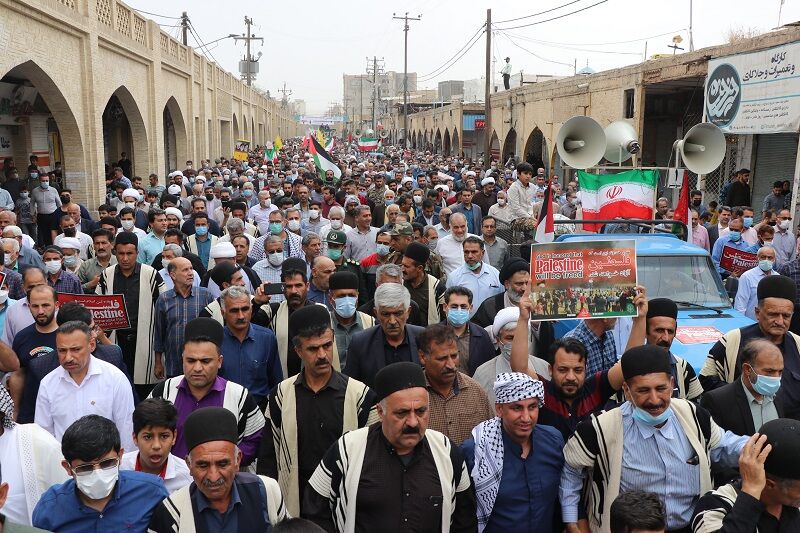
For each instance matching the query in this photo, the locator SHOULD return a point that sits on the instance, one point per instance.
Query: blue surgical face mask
(345, 306)
(474, 267)
(765, 385)
(765, 265)
(388, 201)
(201, 230)
(247, 193)
(457, 317)
(383, 250)
(275, 228)
(646, 418)
(748, 221)
(334, 255)
(734, 235)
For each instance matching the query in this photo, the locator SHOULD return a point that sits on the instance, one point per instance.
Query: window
(629, 107)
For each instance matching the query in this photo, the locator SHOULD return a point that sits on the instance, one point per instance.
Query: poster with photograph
(587, 279)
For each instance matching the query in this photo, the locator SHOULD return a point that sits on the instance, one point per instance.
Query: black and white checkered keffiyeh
(7, 408)
(487, 472)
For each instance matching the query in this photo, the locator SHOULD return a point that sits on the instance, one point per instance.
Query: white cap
(250, 171)
(470, 173)
(441, 187)
(406, 179)
(487, 181)
(130, 192)
(264, 167)
(174, 211)
(174, 189)
(223, 250)
(503, 317)
(70, 242)
(200, 178)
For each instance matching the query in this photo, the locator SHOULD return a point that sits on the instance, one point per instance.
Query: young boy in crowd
(154, 431)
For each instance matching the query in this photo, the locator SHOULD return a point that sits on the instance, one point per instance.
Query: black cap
(662, 307)
(203, 329)
(124, 237)
(784, 436)
(308, 317)
(512, 266)
(777, 286)
(209, 424)
(343, 280)
(397, 377)
(647, 359)
(418, 252)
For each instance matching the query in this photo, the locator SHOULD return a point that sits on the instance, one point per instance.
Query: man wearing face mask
(474, 343)
(784, 241)
(345, 319)
(99, 496)
(315, 222)
(131, 199)
(337, 242)
(746, 295)
(475, 273)
(44, 202)
(644, 445)
(61, 280)
(515, 278)
(292, 243)
(259, 213)
(732, 238)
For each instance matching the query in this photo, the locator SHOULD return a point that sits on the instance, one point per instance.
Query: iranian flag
(322, 159)
(368, 144)
(629, 194)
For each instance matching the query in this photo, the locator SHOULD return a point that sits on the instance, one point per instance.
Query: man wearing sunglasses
(106, 498)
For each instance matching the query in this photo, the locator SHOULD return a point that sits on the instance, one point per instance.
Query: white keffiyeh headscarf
(509, 387)
(7, 408)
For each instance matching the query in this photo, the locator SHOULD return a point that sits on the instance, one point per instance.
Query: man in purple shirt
(200, 386)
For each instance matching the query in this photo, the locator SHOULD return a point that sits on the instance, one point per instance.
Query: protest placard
(588, 279)
(737, 261)
(241, 150)
(108, 310)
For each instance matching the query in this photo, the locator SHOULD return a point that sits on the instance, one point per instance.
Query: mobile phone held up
(273, 288)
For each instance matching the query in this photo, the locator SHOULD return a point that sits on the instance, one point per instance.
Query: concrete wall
(78, 53)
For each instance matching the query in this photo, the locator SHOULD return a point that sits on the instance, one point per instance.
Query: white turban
(174, 211)
(487, 181)
(130, 192)
(70, 242)
(470, 173)
(407, 179)
(174, 189)
(223, 250)
(506, 315)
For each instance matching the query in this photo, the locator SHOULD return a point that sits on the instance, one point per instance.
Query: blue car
(672, 268)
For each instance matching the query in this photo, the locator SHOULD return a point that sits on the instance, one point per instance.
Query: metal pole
(487, 136)
(374, 79)
(405, 20)
(249, 80)
(691, 35)
(185, 28)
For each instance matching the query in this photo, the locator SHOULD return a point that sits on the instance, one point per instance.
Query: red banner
(697, 334)
(737, 261)
(108, 310)
(574, 279)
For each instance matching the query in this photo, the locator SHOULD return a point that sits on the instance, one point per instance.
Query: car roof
(646, 244)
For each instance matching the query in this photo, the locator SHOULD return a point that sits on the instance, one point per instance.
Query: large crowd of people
(352, 351)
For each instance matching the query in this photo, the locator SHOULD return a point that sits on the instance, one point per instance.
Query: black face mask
(772, 222)
(70, 232)
(65, 199)
(696, 203)
(209, 197)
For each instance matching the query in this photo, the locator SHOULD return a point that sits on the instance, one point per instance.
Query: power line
(539, 13)
(569, 47)
(201, 44)
(555, 18)
(536, 55)
(454, 55)
(155, 14)
(455, 60)
(602, 44)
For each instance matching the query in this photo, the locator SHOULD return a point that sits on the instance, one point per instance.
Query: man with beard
(450, 247)
(425, 289)
(34, 341)
(330, 402)
(276, 315)
(90, 271)
(570, 395)
(515, 275)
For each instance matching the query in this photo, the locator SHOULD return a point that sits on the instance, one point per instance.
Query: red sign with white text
(108, 310)
(697, 334)
(737, 261)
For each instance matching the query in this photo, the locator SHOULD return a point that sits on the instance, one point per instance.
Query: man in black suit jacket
(739, 407)
(713, 235)
(390, 342)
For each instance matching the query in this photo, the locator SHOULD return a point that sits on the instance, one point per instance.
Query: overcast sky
(309, 45)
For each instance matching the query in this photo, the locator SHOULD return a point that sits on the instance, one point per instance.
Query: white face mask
(165, 263)
(8, 261)
(132, 205)
(52, 266)
(784, 224)
(127, 224)
(336, 224)
(3, 297)
(293, 225)
(98, 484)
(275, 258)
(313, 214)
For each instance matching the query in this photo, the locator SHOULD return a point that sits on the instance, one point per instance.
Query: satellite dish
(621, 142)
(702, 148)
(581, 142)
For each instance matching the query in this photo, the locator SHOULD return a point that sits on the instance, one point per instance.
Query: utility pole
(405, 18)
(374, 70)
(286, 94)
(248, 74)
(185, 28)
(691, 34)
(487, 136)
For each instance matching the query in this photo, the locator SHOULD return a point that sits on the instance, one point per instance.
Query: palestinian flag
(367, 144)
(322, 159)
(544, 227)
(629, 194)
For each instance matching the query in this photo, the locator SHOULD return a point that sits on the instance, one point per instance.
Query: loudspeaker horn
(702, 148)
(370, 133)
(357, 133)
(384, 134)
(581, 142)
(621, 142)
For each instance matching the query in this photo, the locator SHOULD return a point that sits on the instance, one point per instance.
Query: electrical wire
(156, 14)
(602, 44)
(539, 13)
(453, 60)
(568, 47)
(200, 43)
(536, 55)
(555, 18)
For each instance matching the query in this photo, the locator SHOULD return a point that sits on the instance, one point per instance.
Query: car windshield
(682, 278)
